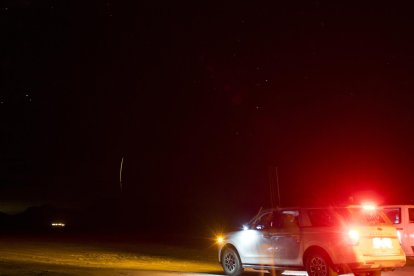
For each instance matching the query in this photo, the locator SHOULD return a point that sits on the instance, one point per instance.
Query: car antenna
(258, 213)
(271, 187)
(277, 184)
(274, 177)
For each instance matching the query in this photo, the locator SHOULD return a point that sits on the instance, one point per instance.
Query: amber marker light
(220, 239)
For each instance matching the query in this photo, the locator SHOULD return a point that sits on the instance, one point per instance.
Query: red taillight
(353, 237)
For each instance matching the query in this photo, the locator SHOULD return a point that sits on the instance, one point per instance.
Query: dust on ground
(43, 256)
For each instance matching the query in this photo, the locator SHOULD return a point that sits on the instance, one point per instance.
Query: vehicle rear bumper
(372, 264)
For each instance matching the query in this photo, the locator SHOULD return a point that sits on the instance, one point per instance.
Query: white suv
(322, 241)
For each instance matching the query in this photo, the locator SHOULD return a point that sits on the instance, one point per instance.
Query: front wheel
(318, 264)
(231, 263)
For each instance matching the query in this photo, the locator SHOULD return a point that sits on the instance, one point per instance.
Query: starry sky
(203, 101)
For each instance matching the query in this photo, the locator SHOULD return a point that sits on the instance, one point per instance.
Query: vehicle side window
(264, 222)
(411, 215)
(289, 220)
(394, 214)
(321, 217)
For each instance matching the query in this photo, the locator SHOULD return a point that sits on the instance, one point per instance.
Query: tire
(230, 261)
(318, 264)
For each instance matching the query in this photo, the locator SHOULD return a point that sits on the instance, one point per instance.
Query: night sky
(203, 101)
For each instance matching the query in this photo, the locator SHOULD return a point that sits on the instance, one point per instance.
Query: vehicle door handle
(295, 237)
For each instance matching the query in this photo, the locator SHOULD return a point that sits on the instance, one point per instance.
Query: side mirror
(260, 227)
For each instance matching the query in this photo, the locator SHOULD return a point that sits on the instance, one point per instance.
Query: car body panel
(252, 245)
(292, 233)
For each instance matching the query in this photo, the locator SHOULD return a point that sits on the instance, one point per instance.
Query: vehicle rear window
(322, 217)
(394, 214)
(362, 216)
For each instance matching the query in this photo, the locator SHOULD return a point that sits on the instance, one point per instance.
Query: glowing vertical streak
(120, 173)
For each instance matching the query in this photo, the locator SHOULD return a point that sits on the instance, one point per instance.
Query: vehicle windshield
(363, 216)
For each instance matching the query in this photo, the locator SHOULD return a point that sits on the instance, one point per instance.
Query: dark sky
(203, 100)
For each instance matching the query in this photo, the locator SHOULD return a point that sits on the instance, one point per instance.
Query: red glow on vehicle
(369, 206)
(353, 236)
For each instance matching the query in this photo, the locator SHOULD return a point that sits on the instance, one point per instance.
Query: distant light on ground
(58, 224)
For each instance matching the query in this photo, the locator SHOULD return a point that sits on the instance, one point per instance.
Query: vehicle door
(403, 219)
(409, 231)
(287, 238)
(256, 242)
